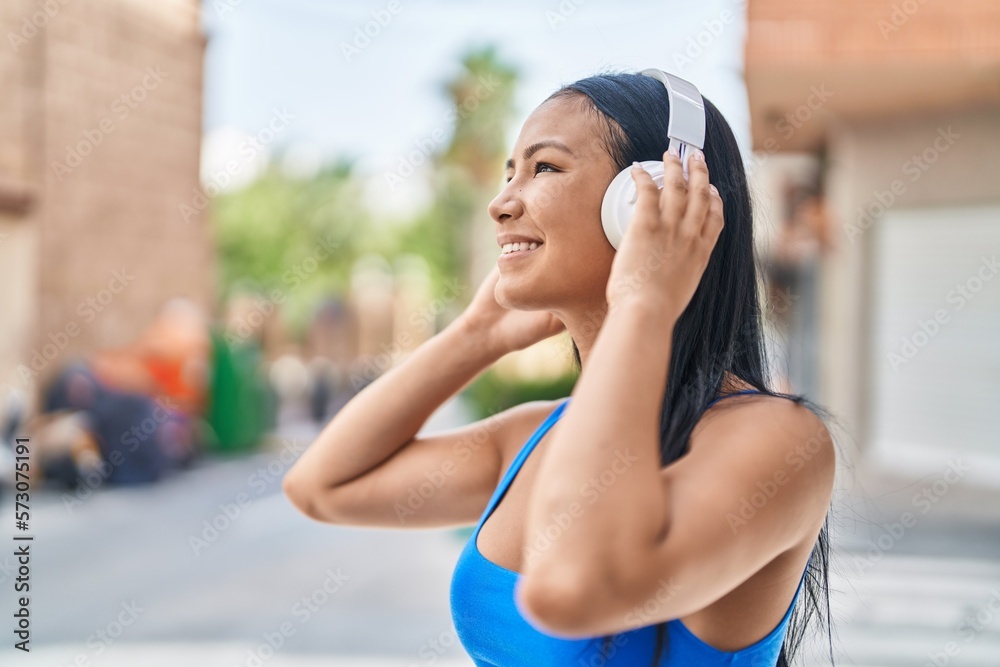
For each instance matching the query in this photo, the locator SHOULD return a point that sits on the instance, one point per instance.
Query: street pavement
(213, 567)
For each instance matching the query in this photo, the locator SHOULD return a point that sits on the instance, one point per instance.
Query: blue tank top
(494, 632)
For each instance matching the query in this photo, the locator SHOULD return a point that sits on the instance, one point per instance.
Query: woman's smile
(513, 251)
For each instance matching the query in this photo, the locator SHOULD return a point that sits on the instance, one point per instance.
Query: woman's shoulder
(753, 442)
(779, 421)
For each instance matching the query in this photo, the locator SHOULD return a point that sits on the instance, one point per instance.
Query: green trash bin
(239, 405)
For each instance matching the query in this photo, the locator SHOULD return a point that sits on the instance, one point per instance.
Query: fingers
(715, 219)
(673, 197)
(646, 203)
(699, 196)
(692, 207)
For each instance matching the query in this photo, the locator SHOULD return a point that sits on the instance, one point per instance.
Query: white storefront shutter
(935, 341)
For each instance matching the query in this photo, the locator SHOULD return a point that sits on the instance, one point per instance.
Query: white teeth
(514, 247)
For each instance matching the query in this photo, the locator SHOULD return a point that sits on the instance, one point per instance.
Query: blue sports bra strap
(542, 429)
(518, 461)
(735, 393)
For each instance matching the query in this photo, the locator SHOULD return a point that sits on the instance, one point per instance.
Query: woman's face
(553, 195)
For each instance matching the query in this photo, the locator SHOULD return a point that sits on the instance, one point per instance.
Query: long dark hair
(722, 329)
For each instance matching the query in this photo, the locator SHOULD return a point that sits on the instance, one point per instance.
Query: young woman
(669, 512)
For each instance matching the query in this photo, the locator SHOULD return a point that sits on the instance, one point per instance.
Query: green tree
(299, 236)
(467, 171)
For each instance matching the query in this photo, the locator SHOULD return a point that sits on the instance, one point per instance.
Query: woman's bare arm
(362, 467)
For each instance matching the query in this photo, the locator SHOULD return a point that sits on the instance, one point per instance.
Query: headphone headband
(687, 112)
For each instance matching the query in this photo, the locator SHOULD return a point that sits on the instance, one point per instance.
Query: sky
(365, 80)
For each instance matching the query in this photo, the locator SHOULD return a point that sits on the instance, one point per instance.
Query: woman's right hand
(505, 330)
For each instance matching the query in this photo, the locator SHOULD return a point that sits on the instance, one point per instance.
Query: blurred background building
(875, 127)
(100, 141)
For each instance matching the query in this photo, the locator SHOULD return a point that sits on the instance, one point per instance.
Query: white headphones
(685, 129)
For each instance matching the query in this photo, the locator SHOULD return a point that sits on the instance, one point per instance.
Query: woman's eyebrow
(537, 146)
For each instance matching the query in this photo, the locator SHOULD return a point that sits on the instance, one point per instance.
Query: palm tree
(456, 234)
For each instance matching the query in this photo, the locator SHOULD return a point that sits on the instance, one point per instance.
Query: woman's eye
(538, 167)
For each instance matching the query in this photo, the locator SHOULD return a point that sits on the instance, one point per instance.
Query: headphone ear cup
(618, 205)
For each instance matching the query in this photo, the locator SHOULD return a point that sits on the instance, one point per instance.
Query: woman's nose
(504, 206)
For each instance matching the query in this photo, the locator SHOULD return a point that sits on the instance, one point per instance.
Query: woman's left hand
(668, 242)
